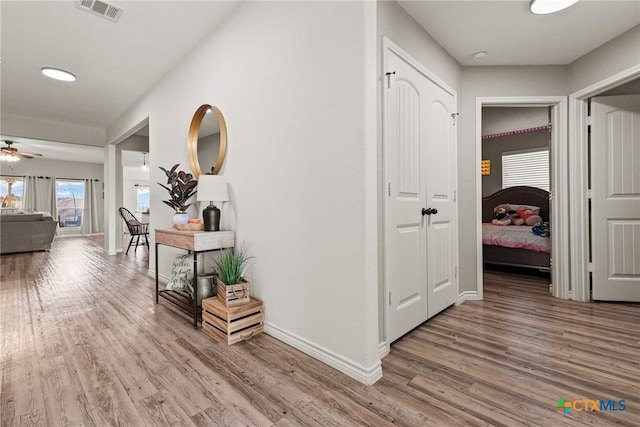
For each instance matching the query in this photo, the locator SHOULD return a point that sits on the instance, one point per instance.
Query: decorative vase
(181, 218)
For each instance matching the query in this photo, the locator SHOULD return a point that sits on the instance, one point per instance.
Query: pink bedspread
(514, 236)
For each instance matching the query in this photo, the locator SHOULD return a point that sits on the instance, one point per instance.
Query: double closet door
(420, 206)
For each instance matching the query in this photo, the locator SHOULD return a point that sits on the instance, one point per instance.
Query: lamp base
(211, 218)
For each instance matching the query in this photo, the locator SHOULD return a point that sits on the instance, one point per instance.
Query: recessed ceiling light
(479, 55)
(544, 7)
(58, 74)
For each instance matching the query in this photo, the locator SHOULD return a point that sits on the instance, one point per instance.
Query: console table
(197, 242)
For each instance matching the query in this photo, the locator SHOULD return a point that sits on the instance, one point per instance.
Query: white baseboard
(161, 278)
(468, 296)
(366, 376)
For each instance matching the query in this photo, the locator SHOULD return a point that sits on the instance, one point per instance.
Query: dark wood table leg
(157, 272)
(195, 290)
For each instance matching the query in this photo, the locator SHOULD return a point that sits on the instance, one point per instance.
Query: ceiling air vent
(101, 8)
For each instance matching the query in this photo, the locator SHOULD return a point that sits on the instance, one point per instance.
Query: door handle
(429, 211)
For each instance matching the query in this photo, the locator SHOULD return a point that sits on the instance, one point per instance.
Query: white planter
(181, 218)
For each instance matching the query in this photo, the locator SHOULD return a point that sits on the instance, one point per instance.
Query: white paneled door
(420, 247)
(615, 205)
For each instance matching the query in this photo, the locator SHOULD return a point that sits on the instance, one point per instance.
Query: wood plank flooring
(82, 343)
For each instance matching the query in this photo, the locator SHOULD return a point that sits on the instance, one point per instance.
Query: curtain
(91, 217)
(40, 195)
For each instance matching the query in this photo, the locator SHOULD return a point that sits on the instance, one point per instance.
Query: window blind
(526, 168)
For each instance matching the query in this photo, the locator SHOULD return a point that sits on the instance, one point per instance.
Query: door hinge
(389, 297)
(389, 189)
(589, 120)
(389, 78)
(590, 267)
(453, 116)
(589, 193)
(455, 196)
(455, 273)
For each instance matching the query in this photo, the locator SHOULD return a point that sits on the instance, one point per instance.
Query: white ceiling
(511, 35)
(117, 63)
(54, 150)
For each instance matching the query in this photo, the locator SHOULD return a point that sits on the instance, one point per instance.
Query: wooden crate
(233, 295)
(229, 325)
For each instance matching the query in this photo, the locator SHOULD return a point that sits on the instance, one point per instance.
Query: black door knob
(429, 211)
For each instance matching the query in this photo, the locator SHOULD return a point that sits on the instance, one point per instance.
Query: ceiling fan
(11, 154)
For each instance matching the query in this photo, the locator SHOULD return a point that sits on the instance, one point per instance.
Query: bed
(515, 245)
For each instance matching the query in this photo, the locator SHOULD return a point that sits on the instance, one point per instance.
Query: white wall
(613, 57)
(28, 127)
(301, 164)
(131, 177)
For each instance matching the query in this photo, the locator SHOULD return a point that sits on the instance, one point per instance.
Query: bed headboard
(520, 195)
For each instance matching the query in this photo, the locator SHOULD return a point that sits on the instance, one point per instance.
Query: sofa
(26, 232)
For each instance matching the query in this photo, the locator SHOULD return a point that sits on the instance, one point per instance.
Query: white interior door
(615, 207)
(440, 174)
(419, 212)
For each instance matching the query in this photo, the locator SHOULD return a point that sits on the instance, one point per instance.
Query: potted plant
(181, 187)
(232, 287)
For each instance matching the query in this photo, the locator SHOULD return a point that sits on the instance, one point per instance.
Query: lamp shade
(212, 188)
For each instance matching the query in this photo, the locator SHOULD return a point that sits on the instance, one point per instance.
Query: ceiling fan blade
(14, 151)
(30, 154)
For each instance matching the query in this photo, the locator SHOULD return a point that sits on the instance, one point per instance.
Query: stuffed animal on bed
(503, 215)
(529, 216)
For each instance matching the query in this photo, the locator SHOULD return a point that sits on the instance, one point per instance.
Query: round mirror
(207, 141)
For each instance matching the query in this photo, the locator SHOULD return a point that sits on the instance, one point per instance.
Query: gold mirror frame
(194, 132)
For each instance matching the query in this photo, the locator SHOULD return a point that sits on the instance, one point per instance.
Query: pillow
(535, 209)
(182, 274)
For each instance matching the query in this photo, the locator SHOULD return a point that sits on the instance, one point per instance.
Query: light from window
(143, 199)
(11, 192)
(529, 168)
(70, 200)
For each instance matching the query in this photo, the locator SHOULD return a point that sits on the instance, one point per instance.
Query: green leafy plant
(231, 264)
(181, 186)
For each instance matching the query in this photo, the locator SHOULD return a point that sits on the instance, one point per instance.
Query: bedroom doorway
(558, 185)
(516, 143)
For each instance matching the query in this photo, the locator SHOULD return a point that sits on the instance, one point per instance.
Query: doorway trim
(578, 179)
(559, 194)
(113, 181)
